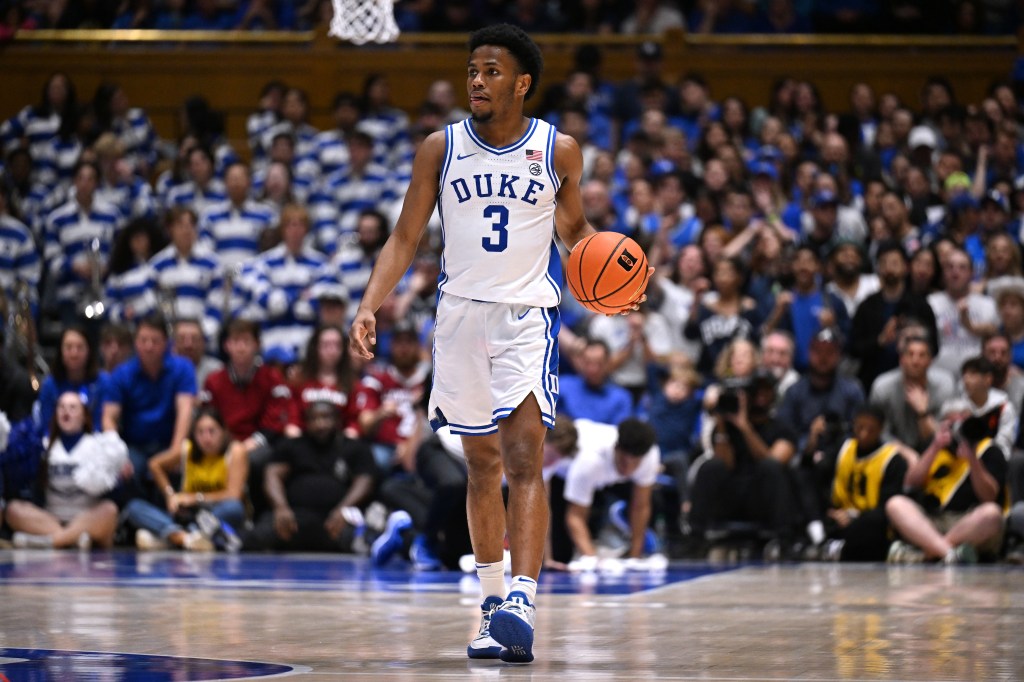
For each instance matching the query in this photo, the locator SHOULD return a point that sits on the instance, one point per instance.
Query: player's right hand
(364, 330)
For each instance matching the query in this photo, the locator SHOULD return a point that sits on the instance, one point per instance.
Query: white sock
(492, 579)
(816, 531)
(526, 585)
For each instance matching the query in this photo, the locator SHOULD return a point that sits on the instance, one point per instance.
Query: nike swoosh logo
(460, 157)
(525, 314)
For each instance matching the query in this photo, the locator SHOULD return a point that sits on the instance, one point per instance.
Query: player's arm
(639, 517)
(576, 522)
(400, 248)
(570, 221)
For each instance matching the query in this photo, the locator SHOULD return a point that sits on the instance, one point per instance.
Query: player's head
(636, 438)
(527, 56)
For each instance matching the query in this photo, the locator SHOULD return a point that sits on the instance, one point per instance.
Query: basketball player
(501, 181)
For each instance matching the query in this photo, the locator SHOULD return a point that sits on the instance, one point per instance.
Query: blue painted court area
(298, 572)
(48, 665)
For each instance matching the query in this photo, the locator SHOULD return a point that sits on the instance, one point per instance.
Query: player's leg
(485, 511)
(522, 449)
(522, 442)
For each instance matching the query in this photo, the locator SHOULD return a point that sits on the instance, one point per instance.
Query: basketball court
(173, 616)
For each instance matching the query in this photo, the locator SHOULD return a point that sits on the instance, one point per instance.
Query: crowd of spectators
(834, 289)
(960, 17)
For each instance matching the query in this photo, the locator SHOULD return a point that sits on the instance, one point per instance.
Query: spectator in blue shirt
(590, 395)
(75, 370)
(149, 400)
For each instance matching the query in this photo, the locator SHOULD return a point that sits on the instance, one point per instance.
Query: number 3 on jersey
(500, 216)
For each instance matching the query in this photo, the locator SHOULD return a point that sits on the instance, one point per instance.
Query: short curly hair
(515, 40)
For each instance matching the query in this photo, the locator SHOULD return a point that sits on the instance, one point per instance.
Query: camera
(729, 399)
(971, 431)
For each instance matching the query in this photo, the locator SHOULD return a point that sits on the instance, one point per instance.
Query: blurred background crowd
(831, 285)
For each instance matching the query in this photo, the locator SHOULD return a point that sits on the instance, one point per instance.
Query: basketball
(607, 271)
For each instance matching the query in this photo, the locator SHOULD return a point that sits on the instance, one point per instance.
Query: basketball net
(363, 21)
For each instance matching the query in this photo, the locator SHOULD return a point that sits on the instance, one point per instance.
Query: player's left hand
(635, 305)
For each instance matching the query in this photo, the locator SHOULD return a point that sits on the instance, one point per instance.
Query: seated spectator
(78, 237)
(777, 349)
(611, 463)
(149, 401)
(807, 308)
(326, 375)
(253, 399)
(233, 228)
(286, 273)
(635, 340)
(189, 344)
(203, 189)
(881, 315)
(118, 183)
(849, 282)
(675, 406)
(213, 469)
(991, 404)
(869, 471)
(912, 395)
(822, 402)
(590, 394)
(317, 485)
(961, 315)
(387, 398)
(743, 476)
(20, 266)
(128, 294)
(961, 481)
(75, 369)
(1008, 293)
(723, 315)
(78, 469)
(185, 277)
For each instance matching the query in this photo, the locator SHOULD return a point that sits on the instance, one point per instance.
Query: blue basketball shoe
(512, 627)
(483, 645)
(390, 541)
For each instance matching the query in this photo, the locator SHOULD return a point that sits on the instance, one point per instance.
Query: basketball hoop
(363, 21)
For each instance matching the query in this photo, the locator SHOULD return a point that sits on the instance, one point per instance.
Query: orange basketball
(607, 271)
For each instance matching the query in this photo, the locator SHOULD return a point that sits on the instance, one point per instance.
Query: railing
(670, 39)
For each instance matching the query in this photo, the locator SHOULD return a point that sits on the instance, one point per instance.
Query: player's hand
(635, 305)
(364, 329)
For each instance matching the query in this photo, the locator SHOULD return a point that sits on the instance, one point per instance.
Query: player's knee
(522, 468)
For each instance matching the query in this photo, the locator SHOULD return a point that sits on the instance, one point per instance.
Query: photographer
(743, 477)
(960, 486)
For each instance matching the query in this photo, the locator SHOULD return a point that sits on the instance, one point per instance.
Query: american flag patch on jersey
(534, 155)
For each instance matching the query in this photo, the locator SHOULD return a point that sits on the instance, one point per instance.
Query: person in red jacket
(327, 376)
(254, 400)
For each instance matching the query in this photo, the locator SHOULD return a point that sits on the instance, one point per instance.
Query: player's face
(494, 83)
(867, 430)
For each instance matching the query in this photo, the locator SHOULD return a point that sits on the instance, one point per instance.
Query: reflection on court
(169, 616)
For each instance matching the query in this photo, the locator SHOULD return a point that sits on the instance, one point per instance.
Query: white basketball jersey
(497, 207)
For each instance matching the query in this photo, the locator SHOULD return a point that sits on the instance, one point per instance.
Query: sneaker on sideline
(961, 554)
(145, 541)
(904, 553)
(195, 541)
(512, 627)
(390, 541)
(483, 645)
(29, 541)
(423, 556)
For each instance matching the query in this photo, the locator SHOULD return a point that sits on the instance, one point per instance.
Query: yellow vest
(208, 475)
(948, 472)
(858, 481)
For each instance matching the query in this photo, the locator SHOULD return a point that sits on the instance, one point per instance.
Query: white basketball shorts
(488, 357)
